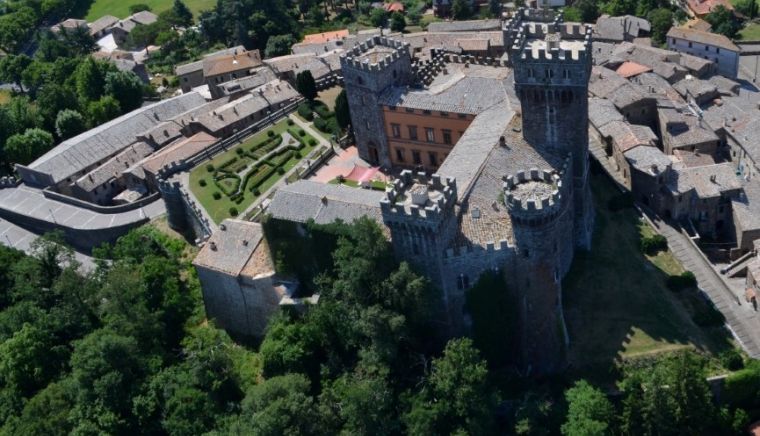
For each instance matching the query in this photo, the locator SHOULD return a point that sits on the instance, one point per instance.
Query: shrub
(290, 122)
(731, 359)
(651, 245)
(210, 168)
(233, 211)
(270, 133)
(741, 387)
(313, 142)
(280, 170)
(202, 183)
(620, 202)
(256, 192)
(217, 195)
(323, 111)
(299, 155)
(680, 282)
(239, 151)
(305, 112)
(320, 124)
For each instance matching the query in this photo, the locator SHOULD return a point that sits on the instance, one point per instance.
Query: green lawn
(120, 9)
(218, 210)
(751, 32)
(617, 306)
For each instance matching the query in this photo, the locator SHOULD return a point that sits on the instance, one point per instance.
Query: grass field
(617, 306)
(751, 32)
(218, 210)
(120, 9)
(5, 97)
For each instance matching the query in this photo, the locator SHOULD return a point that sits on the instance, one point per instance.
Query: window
(433, 158)
(426, 112)
(392, 108)
(184, 79)
(444, 114)
(430, 134)
(549, 73)
(396, 130)
(526, 253)
(530, 72)
(463, 281)
(367, 123)
(565, 74)
(447, 136)
(413, 133)
(409, 110)
(689, 44)
(400, 154)
(707, 48)
(416, 157)
(717, 49)
(360, 80)
(462, 115)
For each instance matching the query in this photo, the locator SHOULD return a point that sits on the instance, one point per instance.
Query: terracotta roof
(321, 38)
(394, 7)
(178, 151)
(701, 37)
(703, 7)
(229, 63)
(698, 24)
(630, 69)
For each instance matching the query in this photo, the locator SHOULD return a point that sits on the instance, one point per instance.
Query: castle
(494, 166)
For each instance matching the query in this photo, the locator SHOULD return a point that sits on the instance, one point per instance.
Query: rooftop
(320, 38)
(701, 37)
(238, 248)
(707, 181)
(465, 26)
(224, 64)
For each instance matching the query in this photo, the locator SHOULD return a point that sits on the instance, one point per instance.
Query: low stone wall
(121, 208)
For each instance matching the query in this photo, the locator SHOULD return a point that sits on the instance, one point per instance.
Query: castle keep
(492, 164)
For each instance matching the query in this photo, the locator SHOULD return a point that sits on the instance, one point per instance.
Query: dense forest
(126, 349)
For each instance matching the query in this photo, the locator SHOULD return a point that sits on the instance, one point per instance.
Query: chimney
(212, 244)
(714, 179)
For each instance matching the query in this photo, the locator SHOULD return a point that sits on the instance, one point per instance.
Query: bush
(320, 124)
(731, 359)
(323, 111)
(299, 155)
(290, 122)
(256, 192)
(653, 244)
(280, 170)
(301, 132)
(233, 211)
(210, 168)
(741, 387)
(305, 112)
(270, 133)
(202, 183)
(239, 151)
(217, 195)
(686, 280)
(313, 142)
(620, 202)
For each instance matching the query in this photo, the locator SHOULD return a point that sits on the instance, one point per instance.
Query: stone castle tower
(368, 70)
(540, 208)
(420, 213)
(552, 65)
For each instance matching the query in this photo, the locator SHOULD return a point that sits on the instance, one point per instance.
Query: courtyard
(229, 183)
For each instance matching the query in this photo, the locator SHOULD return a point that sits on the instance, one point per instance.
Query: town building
(711, 46)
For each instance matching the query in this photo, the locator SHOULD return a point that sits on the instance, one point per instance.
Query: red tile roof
(703, 7)
(394, 7)
(321, 38)
(630, 69)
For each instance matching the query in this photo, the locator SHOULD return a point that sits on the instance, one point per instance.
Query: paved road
(19, 238)
(743, 321)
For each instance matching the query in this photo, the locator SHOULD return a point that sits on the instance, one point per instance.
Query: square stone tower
(552, 65)
(369, 69)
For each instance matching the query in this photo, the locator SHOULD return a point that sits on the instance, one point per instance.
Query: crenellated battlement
(419, 198)
(568, 43)
(375, 54)
(535, 197)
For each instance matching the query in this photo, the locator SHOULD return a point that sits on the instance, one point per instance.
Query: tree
(90, 80)
(105, 109)
(181, 14)
(15, 28)
(25, 147)
(378, 17)
(398, 22)
(107, 369)
(54, 98)
(278, 45)
(723, 21)
(589, 11)
(494, 7)
(315, 16)
(459, 377)
(279, 405)
(359, 404)
(589, 411)
(12, 67)
(69, 123)
(139, 7)
(460, 9)
(306, 85)
(662, 20)
(29, 360)
(342, 112)
(748, 8)
(125, 87)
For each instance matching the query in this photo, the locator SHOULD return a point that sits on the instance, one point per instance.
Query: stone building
(240, 288)
(510, 192)
(711, 46)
